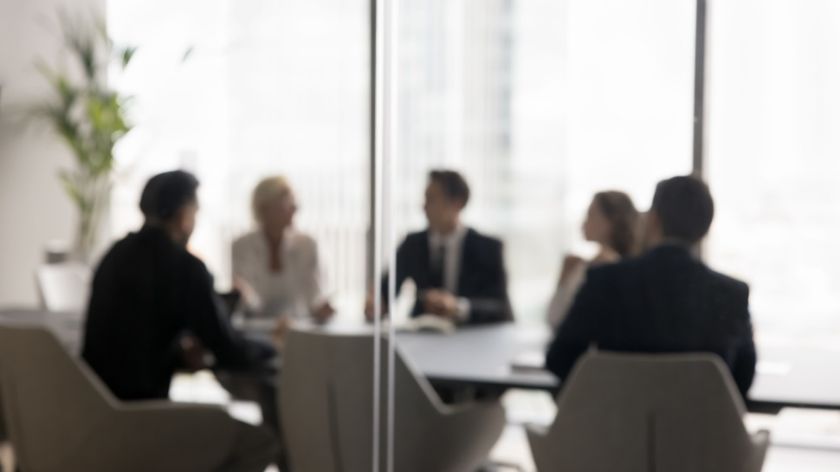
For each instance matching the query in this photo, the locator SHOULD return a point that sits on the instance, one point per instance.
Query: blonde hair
(268, 189)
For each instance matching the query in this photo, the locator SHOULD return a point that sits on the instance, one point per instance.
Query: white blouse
(564, 296)
(292, 291)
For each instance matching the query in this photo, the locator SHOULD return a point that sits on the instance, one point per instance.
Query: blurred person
(276, 268)
(612, 222)
(459, 273)
(666, 300)
(153, 308)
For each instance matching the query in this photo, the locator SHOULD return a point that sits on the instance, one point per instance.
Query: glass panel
(540, 104)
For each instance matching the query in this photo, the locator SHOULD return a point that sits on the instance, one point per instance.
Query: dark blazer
(482, 279)
(147, 292)
(663, 301)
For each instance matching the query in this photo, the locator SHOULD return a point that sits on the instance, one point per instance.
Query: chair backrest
(329, 412)
(64, 287)
(631, 412)
(50, 401)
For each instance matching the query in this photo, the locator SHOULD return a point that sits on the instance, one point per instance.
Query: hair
(685, 208)
(454, 185)
(268, 189)
(165, 194)
(618, 209)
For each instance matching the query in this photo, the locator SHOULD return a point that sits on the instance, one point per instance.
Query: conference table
(508, 356)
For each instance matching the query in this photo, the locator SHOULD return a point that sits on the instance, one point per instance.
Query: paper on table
(529, 360)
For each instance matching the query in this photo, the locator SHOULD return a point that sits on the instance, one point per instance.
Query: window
(772, 164)
(237, 90)
(541, 104)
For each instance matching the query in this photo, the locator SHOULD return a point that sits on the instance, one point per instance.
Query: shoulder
(477, 238)
(602, 273)
(302, 241)
(247, 240)
(416, 238)
(730, 284)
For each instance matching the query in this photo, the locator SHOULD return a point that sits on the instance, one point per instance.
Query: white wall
(33, 207)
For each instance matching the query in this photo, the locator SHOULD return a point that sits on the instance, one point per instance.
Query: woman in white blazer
(276, 267)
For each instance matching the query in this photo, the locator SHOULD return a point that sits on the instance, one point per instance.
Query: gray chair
(326, 396)
(637, 413)
(60, 417)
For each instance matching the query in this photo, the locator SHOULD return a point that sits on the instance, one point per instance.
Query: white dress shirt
(295, 289)
(453, 244)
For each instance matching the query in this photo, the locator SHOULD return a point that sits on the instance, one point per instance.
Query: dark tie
(438, 266)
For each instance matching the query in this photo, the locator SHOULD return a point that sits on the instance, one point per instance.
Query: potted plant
(90, 118)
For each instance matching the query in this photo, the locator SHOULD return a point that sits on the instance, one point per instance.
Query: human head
(170, 201)
(682, 212)
(613, 222)
(447, 193)
(274, 206)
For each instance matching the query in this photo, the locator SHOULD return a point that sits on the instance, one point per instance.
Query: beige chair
(60, 417)
(637, 413)
(326, 396)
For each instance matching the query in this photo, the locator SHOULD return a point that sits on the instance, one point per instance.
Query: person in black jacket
(150, 294)
(459, 273)
(667, 300)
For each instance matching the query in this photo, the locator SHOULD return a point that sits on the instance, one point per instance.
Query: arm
(743, 366)
(403, 258)
(243, 276)
(493, 304)
(578, 331)
(204, 317)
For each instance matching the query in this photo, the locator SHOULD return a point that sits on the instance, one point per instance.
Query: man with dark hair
(149, 293)
(459, 273)
(666, 300)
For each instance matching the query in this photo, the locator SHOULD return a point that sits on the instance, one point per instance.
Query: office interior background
(540, 103)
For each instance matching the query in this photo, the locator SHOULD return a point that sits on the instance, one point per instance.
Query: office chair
(637, 413)
(326, 396)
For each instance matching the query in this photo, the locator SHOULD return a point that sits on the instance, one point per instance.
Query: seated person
(149, 291)
(276, 268)
(667, 300)
(459, 273)
(612, 222)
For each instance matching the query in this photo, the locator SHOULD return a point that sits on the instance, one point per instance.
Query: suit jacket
(663, 301)
(482, 279)
(147, 292)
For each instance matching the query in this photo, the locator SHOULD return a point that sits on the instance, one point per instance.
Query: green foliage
(89, 116)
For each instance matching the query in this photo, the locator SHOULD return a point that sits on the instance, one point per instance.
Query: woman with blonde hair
(276, 267)
(612, 222)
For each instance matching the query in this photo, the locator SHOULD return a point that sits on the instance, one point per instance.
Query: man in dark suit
(459, 273)
(150, 294)
(667, 300)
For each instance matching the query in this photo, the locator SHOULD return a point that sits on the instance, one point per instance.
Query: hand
(369, 307)
(281, 329)
(192, 353)
(441, 303)
(571, 264)
(323, 312)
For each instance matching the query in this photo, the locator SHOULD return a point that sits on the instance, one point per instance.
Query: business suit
(663, 301)
(481, 278)
(147, 292)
